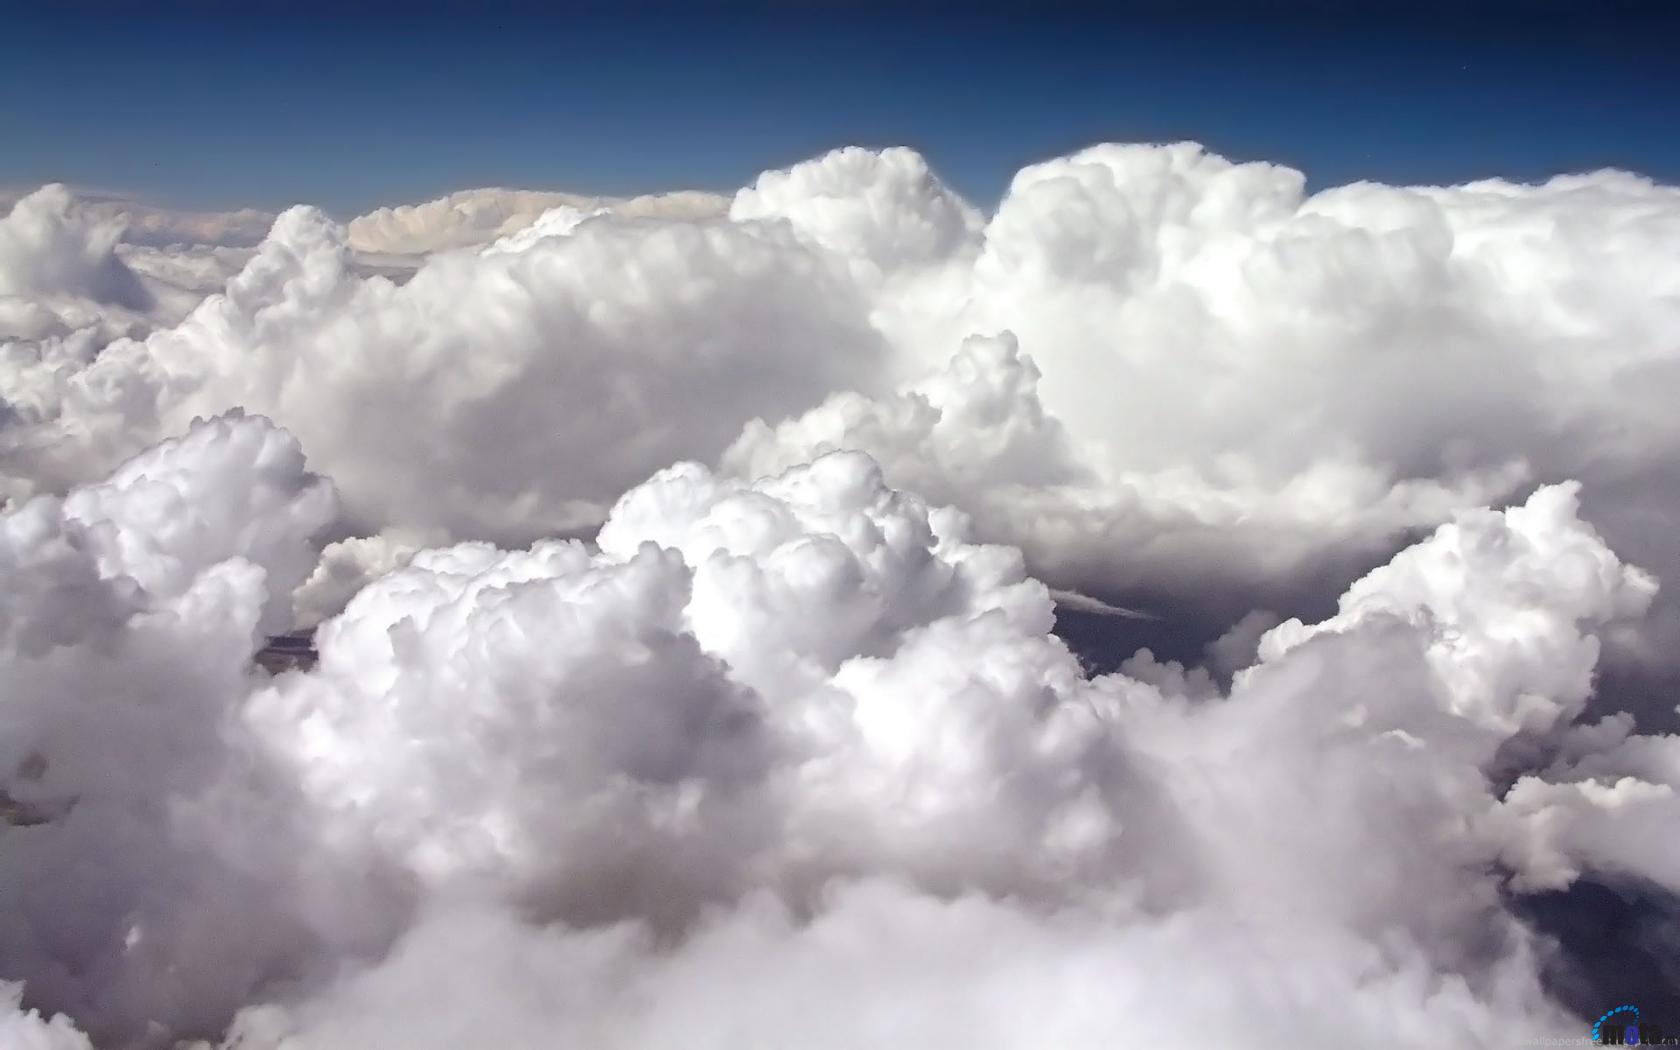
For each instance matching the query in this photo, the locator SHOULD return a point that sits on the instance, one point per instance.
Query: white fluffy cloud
(508, 393)
(881, 965)
(59, 269)
(72, 277)
(1252, 377)
(1190, 365)
(28, 1030)
(783, 745)
(146, 829)
(153, 226)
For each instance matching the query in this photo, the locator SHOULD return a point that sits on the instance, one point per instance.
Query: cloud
(1086, 603)
(153, 226)
(73, 276)
(162, 228)
(503, 393)
(348, 565)
(59, 267)
(28, 1030)
(886, 208)
(1149, 361)
(787, 723)
(1233, 379)
(472, 218)
(970, 972)
(47, 250)
(130, 612)
(782, 743)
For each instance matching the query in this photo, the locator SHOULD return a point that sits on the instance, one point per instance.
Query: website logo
(1622, 1026)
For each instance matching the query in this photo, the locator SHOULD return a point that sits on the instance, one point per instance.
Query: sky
(216, 106)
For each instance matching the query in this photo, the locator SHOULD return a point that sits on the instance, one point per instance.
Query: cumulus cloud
(348, 565)
(1253, 378)
(144, 828)
(1148, 361)
(505, 393)
(58, 267)
(153, 226)
(781, 744)
(76, 271)
(968, 972)
(28, 1030)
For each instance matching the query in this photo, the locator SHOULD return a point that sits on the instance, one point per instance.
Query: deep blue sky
(220, 105)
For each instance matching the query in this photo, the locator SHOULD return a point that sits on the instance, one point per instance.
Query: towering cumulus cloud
(59, 268)
(140, 827)
(1206, 367)
(504, 393)
(777, 745)
(1255, 379)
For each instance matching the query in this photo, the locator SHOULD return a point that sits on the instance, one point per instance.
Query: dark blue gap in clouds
(1610, 940)
(266, 104)
(1618, 942)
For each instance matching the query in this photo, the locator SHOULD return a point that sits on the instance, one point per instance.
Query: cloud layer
(783, 745)
(1192, 363)
(681, 635)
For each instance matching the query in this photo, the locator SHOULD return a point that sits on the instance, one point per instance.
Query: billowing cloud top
(154, 226)
(1189, 357)
(95, 269)
(777, 742)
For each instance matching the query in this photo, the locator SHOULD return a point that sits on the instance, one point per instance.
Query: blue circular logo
(1630, 1032)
